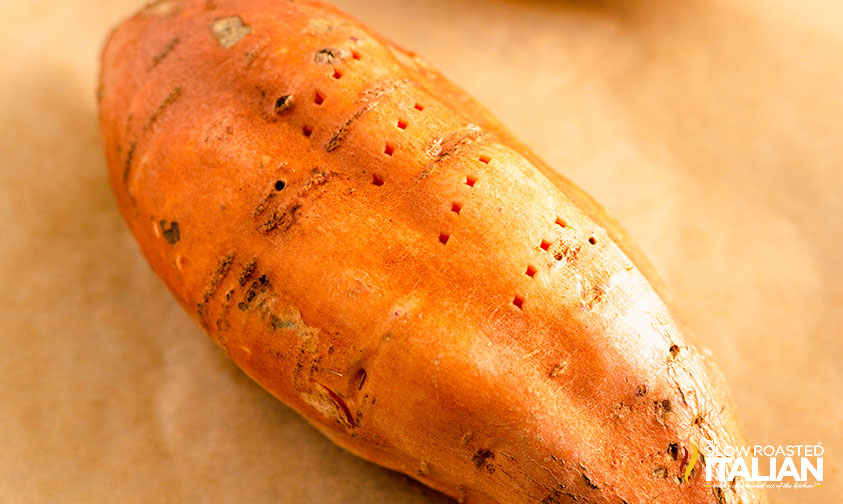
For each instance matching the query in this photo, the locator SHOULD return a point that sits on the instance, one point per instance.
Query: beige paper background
(712, 129)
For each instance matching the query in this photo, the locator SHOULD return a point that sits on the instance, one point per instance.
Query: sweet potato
(372, 247)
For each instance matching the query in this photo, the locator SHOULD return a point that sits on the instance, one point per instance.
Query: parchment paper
(713, 130)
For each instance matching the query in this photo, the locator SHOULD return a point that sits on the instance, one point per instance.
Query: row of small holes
(319, 98)
(389, 149)
(544, 245)
(456, 206)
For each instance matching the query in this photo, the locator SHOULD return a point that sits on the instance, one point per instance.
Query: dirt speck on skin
(230, 30)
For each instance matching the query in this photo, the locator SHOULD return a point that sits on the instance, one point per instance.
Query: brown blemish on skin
(218, 276)
(370, 99)
(282, 219)
(660, 472)
(664, 409)
(163, 54)
(566, 252)
(279, 323)
(127, 166)
(673, 450)
(674, 350)
(258, 287)
(589, 483)
(263, 204)
(169, 100)
(248, 269)
(719, 495)
(230, 30)
(641, 390)
(222, 321)
(483, 458)
(171, 233)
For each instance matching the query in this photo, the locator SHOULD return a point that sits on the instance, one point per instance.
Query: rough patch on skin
(162, 9)
(330, 55)
(370, 99)
(446, 146)
(424, 469)
(593, 296)
(565, 251)
(284, 215)
(263, 204)
(620, 411)
(319, 26)
(290, 318)
(329, 405)
(230, 30)
(559, 369)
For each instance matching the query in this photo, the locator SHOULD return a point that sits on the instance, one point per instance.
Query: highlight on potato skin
(377, 251)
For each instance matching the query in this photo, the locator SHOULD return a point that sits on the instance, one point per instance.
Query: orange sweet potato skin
(378, 252)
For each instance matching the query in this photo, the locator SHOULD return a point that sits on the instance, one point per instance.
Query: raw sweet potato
(378, 252)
